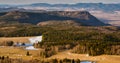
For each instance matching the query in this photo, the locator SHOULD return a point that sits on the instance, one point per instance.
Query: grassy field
(15, 39)
(99, 59)
(19, 52)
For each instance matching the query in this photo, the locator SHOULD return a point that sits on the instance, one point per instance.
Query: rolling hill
(80, 17)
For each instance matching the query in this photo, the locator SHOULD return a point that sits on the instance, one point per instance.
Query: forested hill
(82, 17)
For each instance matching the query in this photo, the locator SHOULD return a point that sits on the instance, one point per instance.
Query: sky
(56, 1)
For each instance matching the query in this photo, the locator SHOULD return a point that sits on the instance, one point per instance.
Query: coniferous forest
(81, 39)
(63, 36)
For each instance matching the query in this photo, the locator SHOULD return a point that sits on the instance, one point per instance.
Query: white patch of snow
(35, 39)
(30, 48)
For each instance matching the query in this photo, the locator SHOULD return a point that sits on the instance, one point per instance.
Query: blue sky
(56, 1)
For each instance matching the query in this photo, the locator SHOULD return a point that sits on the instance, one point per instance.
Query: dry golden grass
(99, 59)
(15, 39)
(19, 52)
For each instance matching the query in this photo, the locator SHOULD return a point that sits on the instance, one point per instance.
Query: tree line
(92, 43)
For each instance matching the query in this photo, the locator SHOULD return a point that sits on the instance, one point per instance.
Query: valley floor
(18, 52)
(99, 59)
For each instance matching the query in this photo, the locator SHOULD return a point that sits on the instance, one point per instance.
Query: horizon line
(60, 3)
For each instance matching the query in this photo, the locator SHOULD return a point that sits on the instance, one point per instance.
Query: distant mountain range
(79, 17)
(64, 7)
(107, 13)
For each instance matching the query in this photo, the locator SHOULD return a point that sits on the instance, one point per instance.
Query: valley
(74, 33)
(63, 46)
(110, 17)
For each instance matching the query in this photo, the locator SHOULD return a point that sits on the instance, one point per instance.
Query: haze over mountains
(61, 7)
(107, 13)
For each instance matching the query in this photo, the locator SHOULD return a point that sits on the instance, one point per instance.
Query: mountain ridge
(83, 17)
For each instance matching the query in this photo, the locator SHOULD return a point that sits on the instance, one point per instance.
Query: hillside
(59, 23)
(82, 17)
